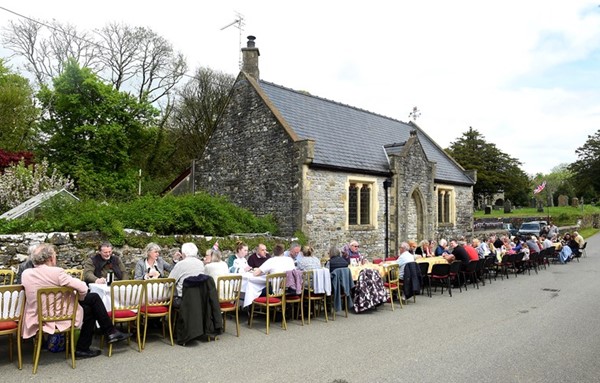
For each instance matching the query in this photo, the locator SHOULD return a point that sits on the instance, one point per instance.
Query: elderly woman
(217, 266)
(151, 265)
(336, 260)
(308, 261)
(424, 249)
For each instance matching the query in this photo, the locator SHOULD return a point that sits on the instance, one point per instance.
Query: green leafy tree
(496, 171)
(18, 113)
(586, 170)
(97, 135)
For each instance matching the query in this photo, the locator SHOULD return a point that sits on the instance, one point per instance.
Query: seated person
(217, 266)
(294, 252)
(567, 240)
(96, 268)
(259, 257)
(579, 239)
(276, 264)
(457, 252)
(189, 266)
(424, 249)
(336, 260)
(351, 251)
(405, 257)
(90, 309)
(308, 261)
(565, 254)
(472, 252)
(442, 248)
(240, 263)
(151, 266)
(482, 248)
(413, 246)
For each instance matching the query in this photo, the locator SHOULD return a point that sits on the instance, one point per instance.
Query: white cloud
(513, 70)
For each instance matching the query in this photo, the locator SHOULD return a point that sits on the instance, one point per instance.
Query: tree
(191, 122)
(97, 135)
(131, 59)
(18, 113)
(496, 171)
(586, 176)
(20, 182)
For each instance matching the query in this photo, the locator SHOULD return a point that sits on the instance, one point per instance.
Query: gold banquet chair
(126, 299)
(392, 282)
(228, 290)
(75, 273)
(7, 277)
(275, 288)
(313, 298)
(158, 303)
(56, 304)
(12, 305)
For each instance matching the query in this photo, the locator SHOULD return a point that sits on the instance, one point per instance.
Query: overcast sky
(525, 74)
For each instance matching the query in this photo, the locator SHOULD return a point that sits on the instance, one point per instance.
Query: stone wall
(75, 248)
(253, 160)
(326, 217)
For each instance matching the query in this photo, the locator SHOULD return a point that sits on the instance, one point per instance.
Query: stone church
(325, 168)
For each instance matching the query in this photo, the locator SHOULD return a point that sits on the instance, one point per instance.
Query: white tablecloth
(252, 287)
(322, 281)
(104, 292)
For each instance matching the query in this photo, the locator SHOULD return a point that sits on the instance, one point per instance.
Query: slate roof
(351, 138)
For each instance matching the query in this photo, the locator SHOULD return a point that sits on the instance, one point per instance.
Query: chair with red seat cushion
(126, 300)
(228, 290)
(440, 274)
(377, 261)
(275, 298)
(392, 282)
(12, 303)
(158, 303)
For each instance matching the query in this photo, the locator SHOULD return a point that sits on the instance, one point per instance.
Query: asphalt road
(538, 328)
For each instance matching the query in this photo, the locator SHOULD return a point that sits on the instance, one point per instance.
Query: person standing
(90, 309)
(97, 267)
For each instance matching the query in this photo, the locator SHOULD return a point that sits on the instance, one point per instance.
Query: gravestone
(563, 200)
(540, 207)
(488, 209)
(575, 202)
(507, 206)
(533, 202)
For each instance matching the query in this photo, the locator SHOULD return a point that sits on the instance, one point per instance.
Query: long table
(253, 286)
(431, 261)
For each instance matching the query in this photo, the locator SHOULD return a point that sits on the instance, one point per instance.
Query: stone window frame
(373, 205)
(447, 217)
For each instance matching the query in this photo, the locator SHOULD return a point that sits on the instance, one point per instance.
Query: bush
(191, 214)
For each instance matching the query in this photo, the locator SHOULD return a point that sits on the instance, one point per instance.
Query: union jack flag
(539, 188)
(216, 246)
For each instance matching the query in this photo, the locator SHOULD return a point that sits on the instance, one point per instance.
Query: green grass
(561, 216)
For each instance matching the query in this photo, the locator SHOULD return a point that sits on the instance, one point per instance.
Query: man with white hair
(189, 266)
(405, 257)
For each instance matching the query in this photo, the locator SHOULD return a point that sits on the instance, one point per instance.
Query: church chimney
(250, 59)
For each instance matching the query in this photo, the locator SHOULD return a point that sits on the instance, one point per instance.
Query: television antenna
(239, 24)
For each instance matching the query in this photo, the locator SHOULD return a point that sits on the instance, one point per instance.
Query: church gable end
(252, 159)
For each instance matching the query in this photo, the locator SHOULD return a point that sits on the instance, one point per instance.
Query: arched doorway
(415, 216)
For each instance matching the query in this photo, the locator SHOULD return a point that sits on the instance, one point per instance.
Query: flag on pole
(216, 246)
(539, 188)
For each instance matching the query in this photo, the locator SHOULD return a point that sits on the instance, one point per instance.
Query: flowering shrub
(21, 182)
